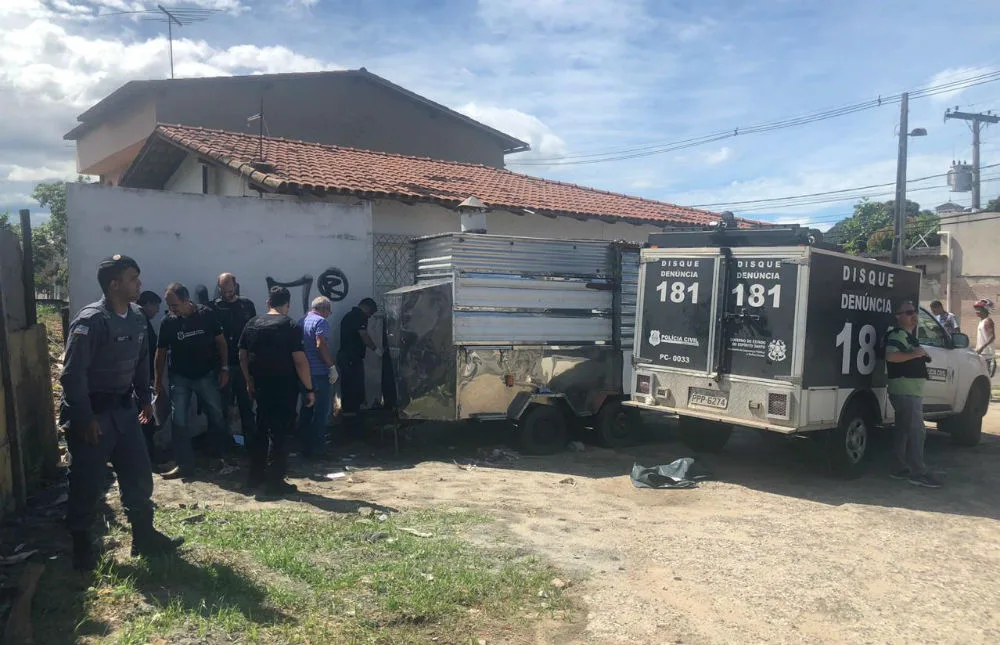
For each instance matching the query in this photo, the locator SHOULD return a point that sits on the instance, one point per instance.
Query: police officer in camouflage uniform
(106, 365)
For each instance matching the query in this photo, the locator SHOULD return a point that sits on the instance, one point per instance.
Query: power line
(842, 199)
(661, 148)
(823, 193)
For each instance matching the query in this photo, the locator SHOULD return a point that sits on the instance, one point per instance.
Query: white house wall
(391, 217)
(194, 238)
(396, 218)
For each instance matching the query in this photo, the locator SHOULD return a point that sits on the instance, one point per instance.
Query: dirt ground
(770, 550)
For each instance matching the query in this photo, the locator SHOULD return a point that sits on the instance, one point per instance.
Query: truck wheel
(616, 425)
(702, 435)
(542, 430)
(847, 444)
(966, 429)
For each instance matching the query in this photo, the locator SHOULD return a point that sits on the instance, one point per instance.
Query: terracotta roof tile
(303, 166)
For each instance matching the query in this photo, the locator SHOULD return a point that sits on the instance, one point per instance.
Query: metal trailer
(534, 331)
(763, 329)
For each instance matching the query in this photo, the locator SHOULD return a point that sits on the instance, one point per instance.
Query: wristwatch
(310, 391)
(225, 368)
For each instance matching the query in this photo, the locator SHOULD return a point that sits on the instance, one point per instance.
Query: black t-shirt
(270, 339)
(351, 346)
(191, 341)
(233, 317)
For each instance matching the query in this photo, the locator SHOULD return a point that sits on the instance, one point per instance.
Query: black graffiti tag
(333, 284)
(306, 282)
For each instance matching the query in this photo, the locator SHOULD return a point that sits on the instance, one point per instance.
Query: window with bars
(394, 265)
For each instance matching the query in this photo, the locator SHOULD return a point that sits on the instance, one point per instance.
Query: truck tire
(616, 425)
(702, 435)
(847, 444)
(966, 429)
(542, 430)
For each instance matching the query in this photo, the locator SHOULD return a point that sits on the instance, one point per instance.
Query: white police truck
(768, 329)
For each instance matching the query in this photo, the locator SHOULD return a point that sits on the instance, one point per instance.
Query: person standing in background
(986, 334)
(104, 371)
(354, 341)
(199, 366)
(315, 342)
(275, 368)
(233, 313)
(149, 304)
(946, 318)
(906, 364)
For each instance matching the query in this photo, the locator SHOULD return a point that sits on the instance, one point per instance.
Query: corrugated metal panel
(505, 293)
(629, 296)
(521, 329)
(513, 255)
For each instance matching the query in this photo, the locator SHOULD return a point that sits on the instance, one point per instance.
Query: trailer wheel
(542, 430)
(702, 435)
(616, 425)
(966, 429)
(847, 444)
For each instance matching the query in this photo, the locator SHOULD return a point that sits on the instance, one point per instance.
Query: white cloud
(725, 153)
(544, 143)
(691, 32)
(50, 71)
(952, 75)
(561, 15)
(64, 170)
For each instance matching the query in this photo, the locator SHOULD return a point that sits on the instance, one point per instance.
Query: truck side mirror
(959, 340)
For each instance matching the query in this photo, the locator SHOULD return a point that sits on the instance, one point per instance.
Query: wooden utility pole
(28, 269)
(976, 122)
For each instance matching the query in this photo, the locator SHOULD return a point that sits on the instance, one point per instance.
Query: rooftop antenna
(171, 19)
(180, 16)
(260, 163)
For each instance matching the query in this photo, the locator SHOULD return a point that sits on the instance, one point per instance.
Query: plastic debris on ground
(680, 473)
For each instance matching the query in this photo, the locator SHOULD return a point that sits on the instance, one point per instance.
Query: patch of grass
(284, 576)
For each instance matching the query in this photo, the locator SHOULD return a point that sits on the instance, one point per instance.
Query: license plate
(709, 399)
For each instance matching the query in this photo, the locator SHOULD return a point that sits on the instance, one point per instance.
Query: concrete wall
(397, 218)
(194, 238)
(975, 267)
(391, 217)
(340, 110)
(109, 148)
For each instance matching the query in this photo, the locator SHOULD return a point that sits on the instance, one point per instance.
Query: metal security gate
(394, 265)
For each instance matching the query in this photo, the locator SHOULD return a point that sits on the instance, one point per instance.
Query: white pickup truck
(763, 329)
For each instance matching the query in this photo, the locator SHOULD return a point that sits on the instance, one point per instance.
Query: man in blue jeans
(199, 365)
(315, 342)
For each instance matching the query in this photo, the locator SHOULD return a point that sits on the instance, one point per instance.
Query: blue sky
(570, 76)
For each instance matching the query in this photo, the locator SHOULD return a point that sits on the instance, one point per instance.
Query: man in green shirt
(906, 363)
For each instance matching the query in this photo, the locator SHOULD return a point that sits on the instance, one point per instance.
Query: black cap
(118, 261)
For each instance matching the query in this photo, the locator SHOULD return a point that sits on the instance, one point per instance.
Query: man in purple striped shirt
(315, 341)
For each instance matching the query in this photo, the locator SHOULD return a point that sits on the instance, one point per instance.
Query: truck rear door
(677, 308)
(758, 320)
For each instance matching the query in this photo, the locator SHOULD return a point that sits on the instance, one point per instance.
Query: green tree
(49, 239)
(871, 228)
(994, 205)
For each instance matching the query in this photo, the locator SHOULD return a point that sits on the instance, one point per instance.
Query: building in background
(353, 108)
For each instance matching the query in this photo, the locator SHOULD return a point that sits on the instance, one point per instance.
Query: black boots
(147, 541)
(84, 552)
